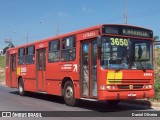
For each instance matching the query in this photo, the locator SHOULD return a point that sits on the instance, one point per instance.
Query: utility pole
(126, 12)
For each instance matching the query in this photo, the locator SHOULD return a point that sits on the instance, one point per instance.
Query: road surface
(11, 101)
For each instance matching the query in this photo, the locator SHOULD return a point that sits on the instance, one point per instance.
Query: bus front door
(13, 79)
(89, 69)
(41, 68)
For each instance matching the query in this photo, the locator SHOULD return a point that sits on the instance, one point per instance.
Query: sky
(32, 20)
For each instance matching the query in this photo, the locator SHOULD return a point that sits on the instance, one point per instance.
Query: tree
(156, 38)
(5, 49)
(10, 45)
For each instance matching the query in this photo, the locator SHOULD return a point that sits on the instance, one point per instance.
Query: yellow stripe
(18, 71)
(114, 77)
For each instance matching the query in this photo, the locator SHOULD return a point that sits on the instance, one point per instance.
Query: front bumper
(125, 95)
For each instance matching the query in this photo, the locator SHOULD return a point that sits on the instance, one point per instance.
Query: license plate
(132, 95)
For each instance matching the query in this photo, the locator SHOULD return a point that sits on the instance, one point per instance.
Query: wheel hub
(20, 88)
(69, 92)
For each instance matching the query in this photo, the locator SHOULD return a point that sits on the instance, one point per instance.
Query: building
(157, 44)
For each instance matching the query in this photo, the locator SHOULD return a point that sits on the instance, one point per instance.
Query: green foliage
(157, 76)
(2, 68)
(156, 38)
(157, 89)
(2, 62)
(5, 49)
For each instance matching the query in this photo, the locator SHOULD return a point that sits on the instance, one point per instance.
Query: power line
(145, 13)
(121, 17)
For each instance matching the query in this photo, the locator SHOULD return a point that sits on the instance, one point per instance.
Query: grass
(2, 68)
(157, 76)
(2, 62)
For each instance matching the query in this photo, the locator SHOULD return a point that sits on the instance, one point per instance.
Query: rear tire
(21, 87)
(69, 94)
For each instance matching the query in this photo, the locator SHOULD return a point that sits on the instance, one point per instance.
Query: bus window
(68, 48)
(141, 54)
(21, 56)
(115, 53)
(30, 55)
(54, 51)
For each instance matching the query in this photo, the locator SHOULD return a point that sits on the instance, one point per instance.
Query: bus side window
(54, 51)
(69, 48)
(21, 56)
(30, 51)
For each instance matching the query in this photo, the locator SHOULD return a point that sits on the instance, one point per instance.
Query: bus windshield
(123, 53)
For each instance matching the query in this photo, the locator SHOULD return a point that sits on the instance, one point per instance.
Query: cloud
(86, 9)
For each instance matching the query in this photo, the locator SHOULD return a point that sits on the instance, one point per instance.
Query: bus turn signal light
(148, 86)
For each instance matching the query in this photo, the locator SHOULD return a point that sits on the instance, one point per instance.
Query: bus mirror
(99, 41)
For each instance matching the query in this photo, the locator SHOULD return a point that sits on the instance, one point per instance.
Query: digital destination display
(127, 31)
(133, 32)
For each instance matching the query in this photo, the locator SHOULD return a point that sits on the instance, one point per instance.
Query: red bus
(106, 62)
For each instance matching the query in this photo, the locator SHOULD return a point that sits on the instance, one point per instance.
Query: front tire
(69, 95)
(21, 87)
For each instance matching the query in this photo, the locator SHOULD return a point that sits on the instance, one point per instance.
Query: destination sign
(127, 31)
(133, 32)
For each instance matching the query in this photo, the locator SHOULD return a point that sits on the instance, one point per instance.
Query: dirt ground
(2, 76)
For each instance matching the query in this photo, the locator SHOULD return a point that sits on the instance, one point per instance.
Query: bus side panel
(77, 89)
(30, 85)
(29, 76)
(55, 75)
(53, 78)
(53, 87)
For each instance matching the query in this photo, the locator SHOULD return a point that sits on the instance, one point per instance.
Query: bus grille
(128, 81)
(128, 86)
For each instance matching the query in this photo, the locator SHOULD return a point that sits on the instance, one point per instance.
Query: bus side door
(89, 69)
(13, 79)
(41, 69)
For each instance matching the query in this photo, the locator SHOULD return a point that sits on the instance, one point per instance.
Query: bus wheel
(113, 102)
(69, 96)
(21, 87)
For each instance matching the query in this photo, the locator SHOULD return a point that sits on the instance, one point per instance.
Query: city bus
(107, 62)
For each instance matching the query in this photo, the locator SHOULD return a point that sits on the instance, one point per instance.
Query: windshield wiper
(144, 70)
(118, 69)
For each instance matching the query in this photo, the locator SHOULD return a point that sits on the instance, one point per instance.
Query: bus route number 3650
(119, 41)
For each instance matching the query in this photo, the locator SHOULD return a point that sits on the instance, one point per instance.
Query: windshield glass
(141, 54)
(123, 53)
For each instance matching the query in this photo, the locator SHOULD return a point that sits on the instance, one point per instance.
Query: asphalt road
(11, 101)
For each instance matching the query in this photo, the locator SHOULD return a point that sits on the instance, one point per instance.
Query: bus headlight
(102, 87)
(107, 87)
(110, 87)
(148, 86)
